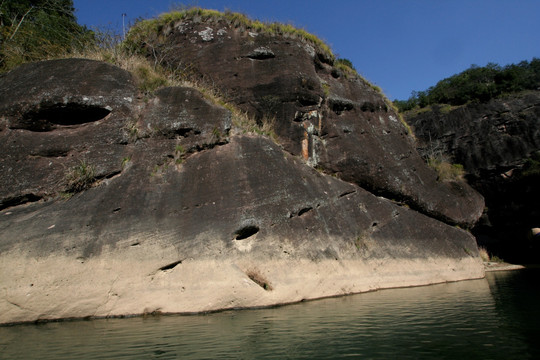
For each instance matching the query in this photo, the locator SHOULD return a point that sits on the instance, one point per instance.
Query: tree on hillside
(36, 29)
(477, 84)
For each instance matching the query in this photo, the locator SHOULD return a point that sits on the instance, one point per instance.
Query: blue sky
(399, 45)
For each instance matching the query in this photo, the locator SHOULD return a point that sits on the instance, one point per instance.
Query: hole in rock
(184, 132)
(308, 99)
(245, 232)
(65, 114)
(340, 106)
(304, 210)
(170, 266)
(368, 106)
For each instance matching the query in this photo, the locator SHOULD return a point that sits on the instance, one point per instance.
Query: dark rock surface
(493, 141)
(331, 117)
(156, 206)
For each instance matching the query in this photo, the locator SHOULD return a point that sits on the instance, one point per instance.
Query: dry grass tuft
(484, 255)
(445, 170)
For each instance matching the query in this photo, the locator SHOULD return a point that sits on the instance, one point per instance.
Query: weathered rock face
(54, 115)
(493, 141)
(332, 118)
(154, 206)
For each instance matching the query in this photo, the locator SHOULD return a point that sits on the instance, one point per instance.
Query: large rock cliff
(114, 203)
(498, 143)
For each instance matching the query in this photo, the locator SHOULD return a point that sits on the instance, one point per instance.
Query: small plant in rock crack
(80, 177)
(132, 130)
(216, 134)
(179, 153)
(125, 161)
(179, 150)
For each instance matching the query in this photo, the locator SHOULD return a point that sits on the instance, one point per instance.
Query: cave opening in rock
(67, 114)
(246, 232)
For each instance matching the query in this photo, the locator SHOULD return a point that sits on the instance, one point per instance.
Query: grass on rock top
(142, 30)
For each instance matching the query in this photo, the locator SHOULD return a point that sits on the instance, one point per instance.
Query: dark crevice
(170, 266)
(19, 200)
(325, 58)
(52, 153)
(246, 232)
(339, 106)
(347, 193)
(111, 175)
(304, 210)
(307, 100)
(301, 211)
(184, 132)
(368, 106)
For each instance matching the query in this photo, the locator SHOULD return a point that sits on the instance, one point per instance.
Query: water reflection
(493, 318)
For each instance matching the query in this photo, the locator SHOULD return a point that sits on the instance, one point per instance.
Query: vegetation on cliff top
(477, 84)
(147, 30)
(144, 29)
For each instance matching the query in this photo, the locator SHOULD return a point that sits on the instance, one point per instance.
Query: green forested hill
(477, 84)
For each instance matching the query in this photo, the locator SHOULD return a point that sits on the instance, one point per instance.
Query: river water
(493, 318)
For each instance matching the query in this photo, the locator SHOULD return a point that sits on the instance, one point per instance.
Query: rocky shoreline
(116, 286)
